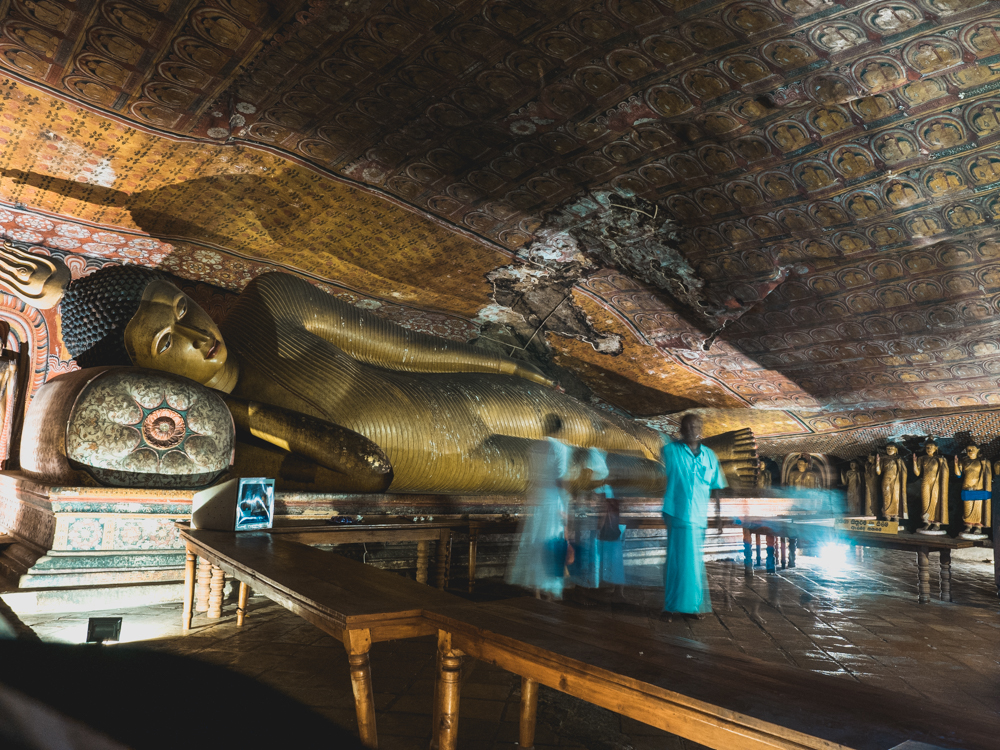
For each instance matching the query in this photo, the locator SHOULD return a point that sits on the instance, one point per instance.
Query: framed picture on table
(255, 504)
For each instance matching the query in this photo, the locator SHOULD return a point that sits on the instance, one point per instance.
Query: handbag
(557, 551)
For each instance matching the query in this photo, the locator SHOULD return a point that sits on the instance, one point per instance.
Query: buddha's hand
(327, 444)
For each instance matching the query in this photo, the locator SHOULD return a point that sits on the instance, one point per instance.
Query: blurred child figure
(610, 543)
(589, 469)
(543, 552)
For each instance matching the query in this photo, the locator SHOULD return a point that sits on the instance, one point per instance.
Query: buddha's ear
(36, 280)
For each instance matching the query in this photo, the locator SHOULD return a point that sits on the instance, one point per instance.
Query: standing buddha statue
(852, 479)
(977, 489)
(892, 468)
(871, 484)
(933, 470)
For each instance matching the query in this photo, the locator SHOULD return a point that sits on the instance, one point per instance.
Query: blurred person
(611, 542)
(589, 470)
(692, 472)
(543, 550)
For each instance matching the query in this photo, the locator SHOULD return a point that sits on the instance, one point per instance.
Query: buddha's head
(854, 465)
(931, 448)
(891, 449)
(124, 315)
(801, 465)
(972, 451)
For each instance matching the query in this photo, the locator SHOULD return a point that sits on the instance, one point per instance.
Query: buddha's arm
(374, 340)
(325, 443)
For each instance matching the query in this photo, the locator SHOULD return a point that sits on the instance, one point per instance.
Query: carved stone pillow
(127, 427)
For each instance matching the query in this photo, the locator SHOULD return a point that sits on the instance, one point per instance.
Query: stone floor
(843, 617)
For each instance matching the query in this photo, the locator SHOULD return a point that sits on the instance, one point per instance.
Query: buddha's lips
(212, 349)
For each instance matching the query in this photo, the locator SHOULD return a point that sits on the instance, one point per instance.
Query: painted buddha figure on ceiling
(326, 396)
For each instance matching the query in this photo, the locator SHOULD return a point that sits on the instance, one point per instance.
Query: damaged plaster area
(597, 229)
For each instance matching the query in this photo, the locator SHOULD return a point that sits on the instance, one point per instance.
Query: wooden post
(358, 643)
(422, 556)
(945, 575)
(443, 558)
(473, 548)
(923, 574)
(188, 590)
(770, 552)
(215, 593)
(449, 684)
(204, 583)
(529, 711)
(784, 553)
(241, 608)
(748, 552)
(757, 534)
(793, 545)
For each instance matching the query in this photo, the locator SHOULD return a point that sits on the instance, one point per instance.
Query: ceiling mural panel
(820, 180)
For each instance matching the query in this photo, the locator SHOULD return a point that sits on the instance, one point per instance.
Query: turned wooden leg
(188, 591)
(747, 552)
(241, 608)
(923, 575)
(784, 554)
(793, 545)
(215, 593)
(423, 553)
(449, 685)
(946, 575)
(770, 553)
(473, 548)
(443, 558)
(358, 643)
(529, 711)
(758, 549)
(203, 585)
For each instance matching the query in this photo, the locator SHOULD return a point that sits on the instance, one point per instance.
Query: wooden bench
(716, 698)
(355, 603)
(710, 696)
(922, 544)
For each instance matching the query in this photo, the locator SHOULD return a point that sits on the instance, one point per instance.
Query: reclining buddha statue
(326, 396)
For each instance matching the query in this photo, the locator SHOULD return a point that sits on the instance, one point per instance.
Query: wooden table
(714, 697)
(355, 603)
(922, 544)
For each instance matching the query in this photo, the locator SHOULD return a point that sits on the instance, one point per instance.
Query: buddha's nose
(195, 335)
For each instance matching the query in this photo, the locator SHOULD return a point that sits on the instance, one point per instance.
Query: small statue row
(882, 487)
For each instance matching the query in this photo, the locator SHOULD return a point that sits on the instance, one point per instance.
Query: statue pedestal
(974, 537)
(932, 532)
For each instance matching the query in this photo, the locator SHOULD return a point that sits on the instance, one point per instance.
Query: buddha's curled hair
(96, 308)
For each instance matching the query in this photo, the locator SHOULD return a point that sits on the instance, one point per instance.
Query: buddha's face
(972, 452)
(931, 449)
(891, 450)
(801, 465)
(170, 332)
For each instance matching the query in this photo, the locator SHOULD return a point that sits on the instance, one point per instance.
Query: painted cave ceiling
(789, 205)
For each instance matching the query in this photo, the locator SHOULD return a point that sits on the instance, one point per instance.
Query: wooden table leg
(358, 643)
(203, 585)
(793, 545)
(443, 558)
(784, 554)
(449, 684)
(770, 553)
(529, 711)
(946, 575)
(473, 549)
(758, 548)
(423, 553)
(188, 590)
(215, 593)
(747, 552)
(241, 608)
(923, 575)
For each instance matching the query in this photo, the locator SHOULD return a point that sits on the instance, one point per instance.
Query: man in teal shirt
(693, 471)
